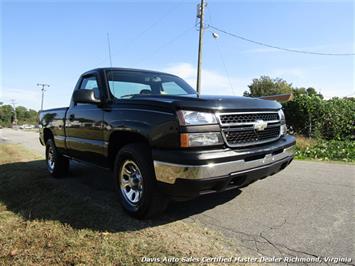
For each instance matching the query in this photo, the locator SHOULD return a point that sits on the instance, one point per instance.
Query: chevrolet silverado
(162, 140)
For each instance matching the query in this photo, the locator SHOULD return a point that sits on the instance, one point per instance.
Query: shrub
(337, 120)
(312, 116)
(326, 150)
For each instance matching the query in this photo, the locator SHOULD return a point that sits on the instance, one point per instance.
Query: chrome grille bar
(238, 128)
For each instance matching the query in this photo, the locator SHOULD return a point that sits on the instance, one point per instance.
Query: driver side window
(90, 83)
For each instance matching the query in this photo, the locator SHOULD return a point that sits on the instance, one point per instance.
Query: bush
(312, 116)
(304, 114)
(337, 119)
(326, 150)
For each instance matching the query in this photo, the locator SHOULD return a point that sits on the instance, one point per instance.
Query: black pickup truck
(162, 140)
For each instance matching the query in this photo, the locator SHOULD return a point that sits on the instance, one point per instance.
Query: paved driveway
(307, 210)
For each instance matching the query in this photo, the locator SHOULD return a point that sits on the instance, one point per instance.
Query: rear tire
(57, 164)
(135, 183)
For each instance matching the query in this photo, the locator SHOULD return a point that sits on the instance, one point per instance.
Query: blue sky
(54, 42)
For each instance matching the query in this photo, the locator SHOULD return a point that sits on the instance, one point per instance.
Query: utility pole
(43, 90)
(200, 15)
(13, 103)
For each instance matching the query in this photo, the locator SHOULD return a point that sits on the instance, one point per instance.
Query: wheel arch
(47, 134)
(118, 139)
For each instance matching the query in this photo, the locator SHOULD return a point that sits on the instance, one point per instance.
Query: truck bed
(55, 120)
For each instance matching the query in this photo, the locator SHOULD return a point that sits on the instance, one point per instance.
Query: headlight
(282, 116)
(283, 130)
(200, 139)
(195, 118)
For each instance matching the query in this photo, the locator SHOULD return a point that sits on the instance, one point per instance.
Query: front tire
(57, 164)
(135, 183)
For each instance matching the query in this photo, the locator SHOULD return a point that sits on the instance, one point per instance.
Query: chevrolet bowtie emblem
(260, 125)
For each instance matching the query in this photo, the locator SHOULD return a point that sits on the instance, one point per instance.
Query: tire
(134, 174)
(57, 164)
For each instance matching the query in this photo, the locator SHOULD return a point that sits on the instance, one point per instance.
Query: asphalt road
(307, 210)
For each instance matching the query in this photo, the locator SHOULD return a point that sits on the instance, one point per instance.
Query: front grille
(251, 136)
(241, 129)
(247, 117)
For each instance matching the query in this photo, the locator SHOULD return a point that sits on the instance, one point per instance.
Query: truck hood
(210, 102)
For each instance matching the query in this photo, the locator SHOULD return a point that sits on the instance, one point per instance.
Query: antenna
(109, 48)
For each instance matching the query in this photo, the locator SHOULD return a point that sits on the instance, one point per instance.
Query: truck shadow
(83, 199)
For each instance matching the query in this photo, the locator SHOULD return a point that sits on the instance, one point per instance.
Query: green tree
(265, 86)
(21, 113)
(6, 115)
(33, 116)
(310, 91)
(26, 116)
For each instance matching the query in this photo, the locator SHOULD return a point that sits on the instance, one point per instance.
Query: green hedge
(312, 116)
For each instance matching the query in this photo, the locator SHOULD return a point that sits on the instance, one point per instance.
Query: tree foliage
(6, 115)
(308, 113)
(310, 91)
(265, 86)
(312, 116)
(24, 115)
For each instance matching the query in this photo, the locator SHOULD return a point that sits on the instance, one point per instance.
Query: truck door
(84, 125)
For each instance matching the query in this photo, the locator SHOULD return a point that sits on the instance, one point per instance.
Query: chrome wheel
(51, 158)
(131, 182)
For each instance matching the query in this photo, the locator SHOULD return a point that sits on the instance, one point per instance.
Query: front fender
(160, 129)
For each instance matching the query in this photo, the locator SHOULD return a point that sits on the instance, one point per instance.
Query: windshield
(125, 85)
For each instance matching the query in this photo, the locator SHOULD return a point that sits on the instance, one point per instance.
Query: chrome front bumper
(169, 172)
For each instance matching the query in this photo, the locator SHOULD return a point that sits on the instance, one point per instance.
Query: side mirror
(85, 96)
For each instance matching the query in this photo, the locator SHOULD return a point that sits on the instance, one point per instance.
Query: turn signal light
(184, 140)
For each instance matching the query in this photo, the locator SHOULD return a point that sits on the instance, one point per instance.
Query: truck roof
(126, 70)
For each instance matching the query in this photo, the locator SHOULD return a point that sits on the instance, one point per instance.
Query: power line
(215, 36)
(148, 28)
(161, 18)
(278, 47)
(176, 37)
(225, 67)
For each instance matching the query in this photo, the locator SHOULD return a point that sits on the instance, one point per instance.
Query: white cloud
(212, 82)
(27, 98)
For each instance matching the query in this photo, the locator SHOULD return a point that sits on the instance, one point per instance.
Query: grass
(15, 153)
(303, 142)
(74, 221)
(325, 150)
